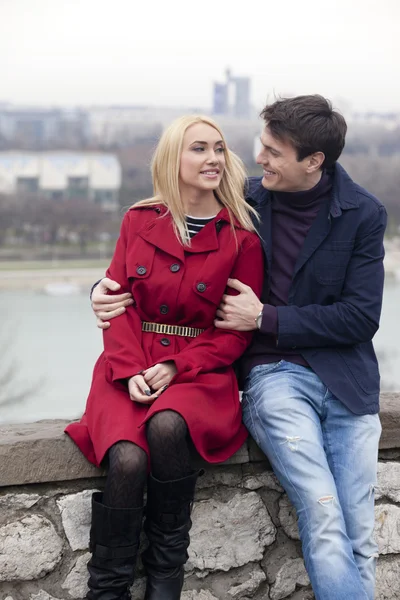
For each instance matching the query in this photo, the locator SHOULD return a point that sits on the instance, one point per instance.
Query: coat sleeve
(121, 340)
(217, 348)
(353, 319)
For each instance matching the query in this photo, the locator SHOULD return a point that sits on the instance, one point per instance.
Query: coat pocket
(363, 367)
(140, 260)
(330, 262)
(212, 291)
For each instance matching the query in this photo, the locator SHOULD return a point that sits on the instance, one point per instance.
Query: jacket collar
(344, 193)
(160, 233)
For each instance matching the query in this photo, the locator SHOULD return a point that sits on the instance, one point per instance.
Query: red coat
(174, 285)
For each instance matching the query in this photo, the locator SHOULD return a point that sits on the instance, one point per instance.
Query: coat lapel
(160, 233)
(260, 199)
(264, 227)
(316, 235)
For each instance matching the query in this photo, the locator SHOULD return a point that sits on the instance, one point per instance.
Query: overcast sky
(168, 52)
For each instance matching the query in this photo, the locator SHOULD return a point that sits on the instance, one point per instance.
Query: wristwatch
(258, 319)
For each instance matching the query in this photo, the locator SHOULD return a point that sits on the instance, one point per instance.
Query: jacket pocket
(210, 290)
(330, 262)
(139, 260)
(363, 369)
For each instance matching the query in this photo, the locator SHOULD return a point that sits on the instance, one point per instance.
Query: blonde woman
(165, 380)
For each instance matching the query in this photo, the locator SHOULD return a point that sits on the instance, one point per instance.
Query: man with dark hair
(311, 378)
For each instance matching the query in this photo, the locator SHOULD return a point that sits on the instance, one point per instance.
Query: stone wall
(245, 541)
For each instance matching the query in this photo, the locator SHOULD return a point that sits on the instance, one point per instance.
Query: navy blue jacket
(335, 298)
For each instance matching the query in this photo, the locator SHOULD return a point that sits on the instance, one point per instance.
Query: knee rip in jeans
(326, 500)
(292, 442)
(371, 491)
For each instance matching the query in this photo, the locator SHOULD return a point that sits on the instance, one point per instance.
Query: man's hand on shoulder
(105, 306)
(238, 312)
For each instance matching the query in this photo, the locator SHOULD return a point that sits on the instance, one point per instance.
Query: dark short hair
(310, 124)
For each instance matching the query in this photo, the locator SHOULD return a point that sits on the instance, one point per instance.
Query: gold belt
(171, 329)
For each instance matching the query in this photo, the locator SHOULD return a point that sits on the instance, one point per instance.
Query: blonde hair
(165, 168)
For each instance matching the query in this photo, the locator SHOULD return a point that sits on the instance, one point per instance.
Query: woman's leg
(167, 436)
(127, 470)
(116, 524)
(170, 493)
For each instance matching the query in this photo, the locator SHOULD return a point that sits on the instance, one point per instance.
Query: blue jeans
(326, 459)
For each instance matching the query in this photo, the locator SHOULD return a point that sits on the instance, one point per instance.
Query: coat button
(201, 287)
(163, 309)
(174, 268)
(165, 342)
(141, 270)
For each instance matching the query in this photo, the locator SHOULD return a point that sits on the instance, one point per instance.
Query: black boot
(167, 526)
(114, 543)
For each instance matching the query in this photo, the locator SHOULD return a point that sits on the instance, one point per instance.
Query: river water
(52, 344)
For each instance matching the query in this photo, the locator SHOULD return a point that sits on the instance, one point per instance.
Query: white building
(95, 177)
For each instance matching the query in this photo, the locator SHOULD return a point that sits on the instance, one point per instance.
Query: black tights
(127, 471)
(167, 436)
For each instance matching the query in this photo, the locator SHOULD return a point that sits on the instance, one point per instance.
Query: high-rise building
(242, 97)
(232, 97)
(220, 99)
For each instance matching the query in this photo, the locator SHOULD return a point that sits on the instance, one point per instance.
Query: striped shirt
(196, 224)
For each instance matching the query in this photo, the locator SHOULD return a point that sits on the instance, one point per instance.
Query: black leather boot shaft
(114, 543)
(167, 526)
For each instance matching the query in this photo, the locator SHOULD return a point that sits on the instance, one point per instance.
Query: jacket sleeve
(122, 346)
(216, 348)
(355, 317)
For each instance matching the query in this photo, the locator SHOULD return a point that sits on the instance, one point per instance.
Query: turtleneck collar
(306, 198)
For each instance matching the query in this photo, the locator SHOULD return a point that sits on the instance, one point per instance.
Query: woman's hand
(139, 390)
(159, 376)
(105, 306)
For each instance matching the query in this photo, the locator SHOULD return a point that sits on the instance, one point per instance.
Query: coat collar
(344, 193)
(159, 232)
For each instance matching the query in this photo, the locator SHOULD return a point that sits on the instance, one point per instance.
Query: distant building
(386, 120)
(40, 127)
(220, 99)
(91, 177)
(242, 97)
(121, 125)
(237, 88)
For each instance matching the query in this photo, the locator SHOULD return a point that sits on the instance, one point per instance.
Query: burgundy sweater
(292, 216)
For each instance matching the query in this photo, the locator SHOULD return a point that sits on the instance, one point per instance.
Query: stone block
(40, 452)
(288, 518)
(76, 515)
(387, 578)
(231, 534)
(29, 549)
(387, 528)
(290, 574)
(201, 595)
(76, 580)
(248, 588)
(11, 502)
(390, 419)
(388, 481)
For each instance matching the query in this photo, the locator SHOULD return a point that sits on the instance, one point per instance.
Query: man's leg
(351, 444)
(283, 405)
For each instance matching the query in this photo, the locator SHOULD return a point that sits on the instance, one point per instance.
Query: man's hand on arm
(239, 312)
(107, 307)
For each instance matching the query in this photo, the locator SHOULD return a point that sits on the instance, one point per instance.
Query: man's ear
(315, 162)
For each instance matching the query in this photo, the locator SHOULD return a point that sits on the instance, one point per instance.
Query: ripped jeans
(326, 459)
